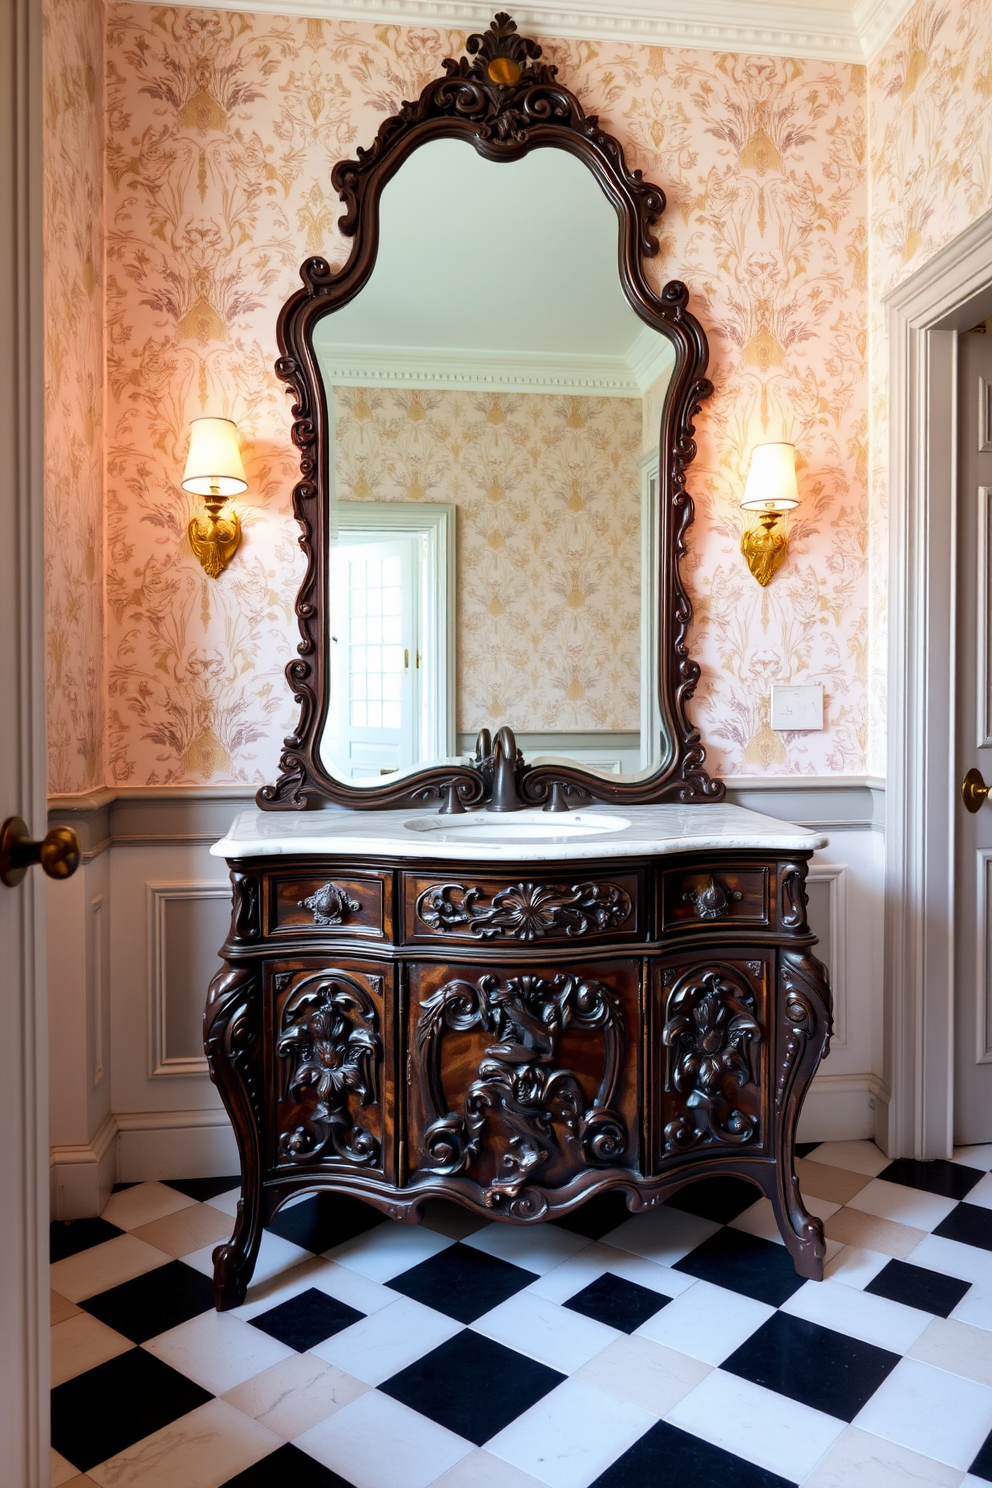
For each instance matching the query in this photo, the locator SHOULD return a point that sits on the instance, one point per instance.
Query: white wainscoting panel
(186, 922)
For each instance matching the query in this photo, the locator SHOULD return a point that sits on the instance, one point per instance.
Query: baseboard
(843, 1108)
(81, 1177)
(175, 1144)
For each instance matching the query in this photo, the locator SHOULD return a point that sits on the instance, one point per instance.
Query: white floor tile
(981, 1194)
(934, 1413)
(104, 1266)
(200, 1450)
(481, 1470)
(856, 1157)
(558, 1337)
(974, 1157)
(855, 1267)
(957, 1347)
(293, 1395)
(889, 1325)
(758, 1425)
(82, 1342)
(966, 1262)
(858, 1459)
(275, 1256)
(536, 1248)
(62, 1471)
(378, 1443)
(706, 1322)
(908, 1206)
(571, 1436)
(760, 1218)
(388, 1250)
(662, 1235)
(217, 1350)
(647, 1374)
(572, 1276)
(227, 1202)
(975, 1307)
(381, 1345)
(143, 1204)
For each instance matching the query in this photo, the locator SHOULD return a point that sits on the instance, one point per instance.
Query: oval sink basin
(519, 826)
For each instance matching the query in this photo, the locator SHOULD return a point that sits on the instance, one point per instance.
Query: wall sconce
(215, 472)
(771, 490)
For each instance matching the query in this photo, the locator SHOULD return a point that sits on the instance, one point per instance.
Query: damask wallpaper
(548, 540)
(73, 189)
(222, 129)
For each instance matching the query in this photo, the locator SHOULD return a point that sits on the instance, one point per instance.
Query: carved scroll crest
(712, 1036)
(329, 1036)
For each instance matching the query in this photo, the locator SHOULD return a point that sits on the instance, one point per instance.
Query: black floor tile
(324, 1220)
(915, 1286)
(667, 1456)
(79, 1234)
(462, 1282)
(202, 1189)
(719, 1199)
(597, 1217)
(115, 1405)
(744, 1263)
(122, 1187)
(306, 1320)
(472, 1385)
(968, 1223)
(982, 1465)
(816, 1366)
(284, 1466)
(153, 1303)
(950, 1180)
(803, 1149)
(617, 1302)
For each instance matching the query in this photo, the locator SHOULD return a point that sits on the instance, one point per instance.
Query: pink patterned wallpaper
(74, 560)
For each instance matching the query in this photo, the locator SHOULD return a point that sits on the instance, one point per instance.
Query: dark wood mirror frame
(506, 103)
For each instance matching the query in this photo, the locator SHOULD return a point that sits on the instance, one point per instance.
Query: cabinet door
(519, 1078)
(712, 1053)
(330, 1093)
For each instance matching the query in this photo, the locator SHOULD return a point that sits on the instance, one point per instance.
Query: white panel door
(973, 728)
(23, 1087)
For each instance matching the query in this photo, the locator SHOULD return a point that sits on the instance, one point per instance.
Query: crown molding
(465, 370)
(876, 20)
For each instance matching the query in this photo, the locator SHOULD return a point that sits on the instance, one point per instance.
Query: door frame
(24, 1418)
(924, 315)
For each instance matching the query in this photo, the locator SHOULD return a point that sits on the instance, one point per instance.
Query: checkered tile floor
(676, 1349)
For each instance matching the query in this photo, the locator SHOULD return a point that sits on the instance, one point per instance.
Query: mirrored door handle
(974, 790)
(58, 853)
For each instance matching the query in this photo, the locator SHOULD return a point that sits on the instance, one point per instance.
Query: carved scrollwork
(526, 911)
(329, 904)
(329, 1035)
(794, 900)
(806, 1017)
(712, 1036)
(712, 899)
(246, 919)
(538, 1107)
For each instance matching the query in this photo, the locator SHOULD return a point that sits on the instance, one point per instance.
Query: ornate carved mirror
(494, 415)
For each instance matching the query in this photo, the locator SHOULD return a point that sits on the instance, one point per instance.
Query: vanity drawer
(726, 895)
(359, 904)
(506, 909)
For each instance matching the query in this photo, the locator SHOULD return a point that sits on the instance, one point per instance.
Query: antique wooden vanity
(512, 984)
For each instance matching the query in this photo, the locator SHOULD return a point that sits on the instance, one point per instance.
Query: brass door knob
(58, 853)
(974, 790)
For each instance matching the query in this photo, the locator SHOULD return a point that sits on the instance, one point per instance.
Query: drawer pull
(329, 904)
(712, 900)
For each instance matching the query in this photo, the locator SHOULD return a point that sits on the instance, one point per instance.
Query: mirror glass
(495, 405)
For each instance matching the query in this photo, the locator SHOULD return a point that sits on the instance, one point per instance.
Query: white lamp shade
(771, 480)
(213, 465)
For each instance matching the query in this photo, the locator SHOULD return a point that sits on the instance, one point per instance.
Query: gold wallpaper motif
(223, 128)
(73, 267)
(548, 538)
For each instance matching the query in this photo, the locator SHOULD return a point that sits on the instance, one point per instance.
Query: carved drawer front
(713, 1055)
(327, 1077)
(704, 897)
(521, 910)
(335, 903)
(517, 1081)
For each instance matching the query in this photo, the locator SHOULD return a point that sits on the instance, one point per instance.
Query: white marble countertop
(592, 832)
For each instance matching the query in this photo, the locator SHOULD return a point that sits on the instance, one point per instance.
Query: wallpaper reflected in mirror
(495, 404)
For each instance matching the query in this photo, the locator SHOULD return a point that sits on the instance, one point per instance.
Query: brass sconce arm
(215, 472)
(771, 490)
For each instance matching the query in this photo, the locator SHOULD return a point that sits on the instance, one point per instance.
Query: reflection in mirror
(495, 403)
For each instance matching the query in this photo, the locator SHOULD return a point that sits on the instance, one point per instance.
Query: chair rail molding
(924, 315)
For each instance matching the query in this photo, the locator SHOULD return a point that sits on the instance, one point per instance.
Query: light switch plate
(797, 707)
